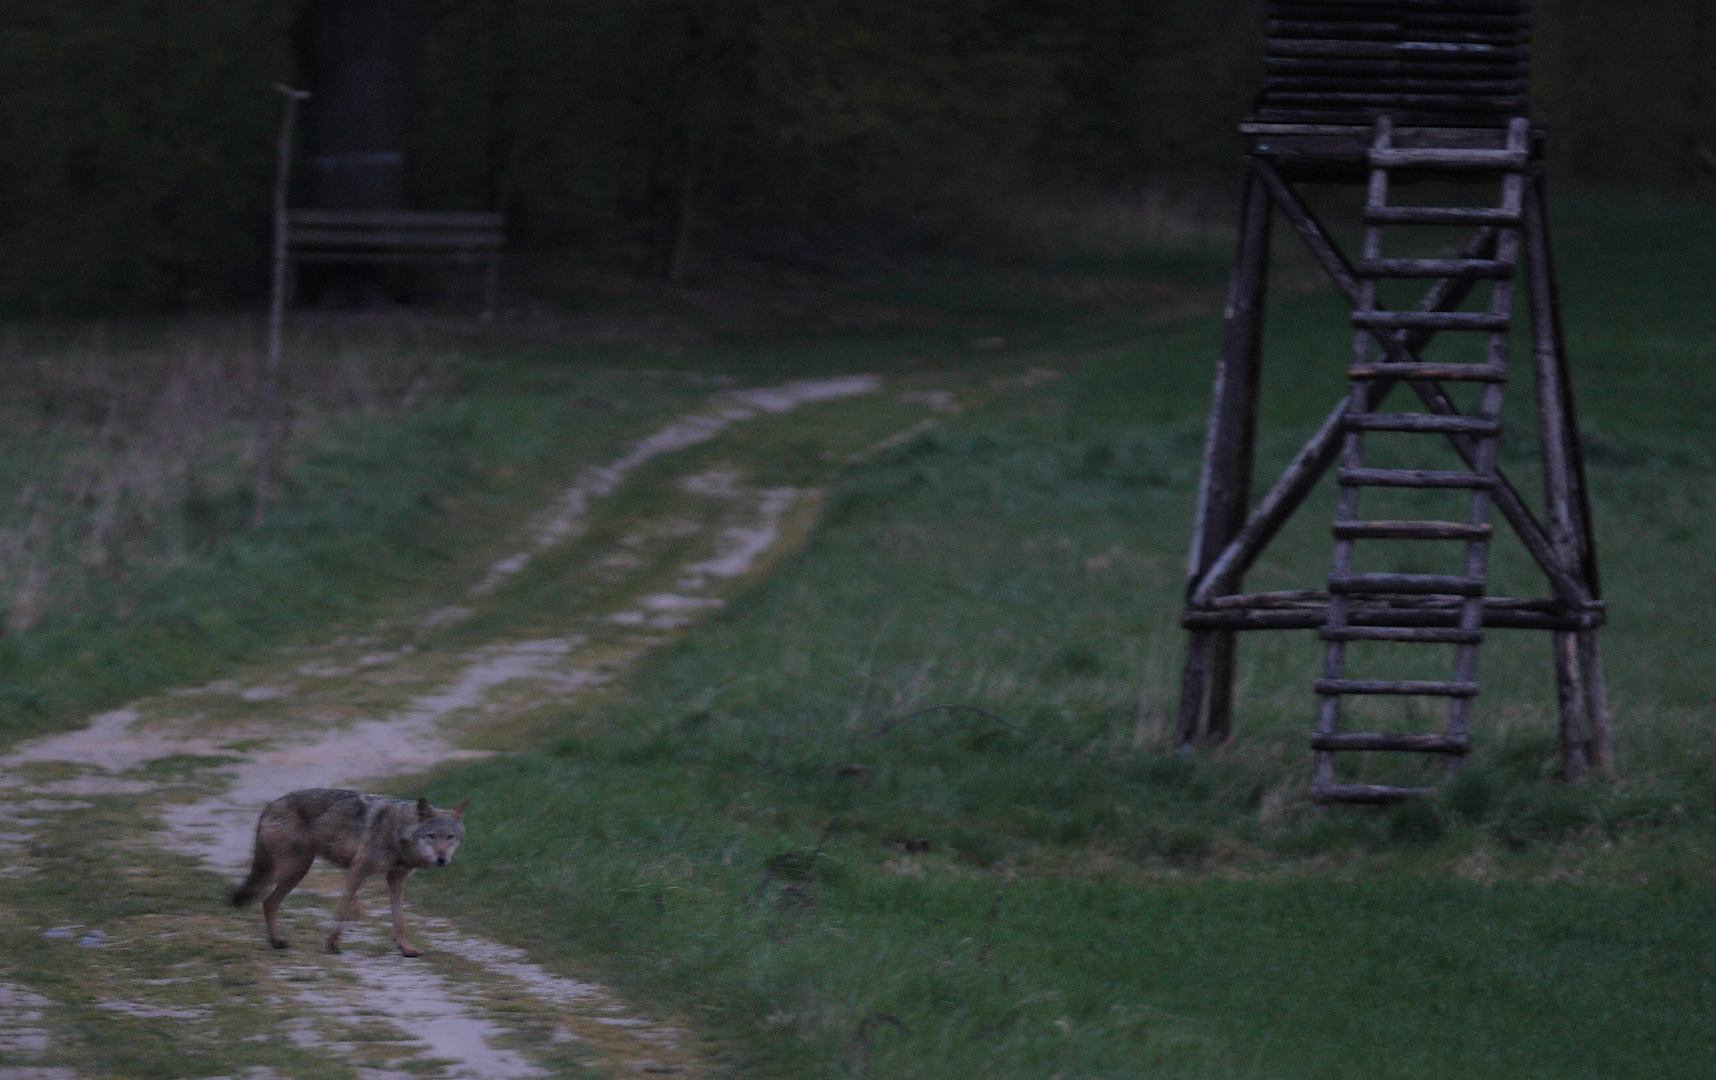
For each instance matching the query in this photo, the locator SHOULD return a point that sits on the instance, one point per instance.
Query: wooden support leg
(1229, 451)
(1573, 757)
(1194, 686)
(1600, 752)
(1218, 723)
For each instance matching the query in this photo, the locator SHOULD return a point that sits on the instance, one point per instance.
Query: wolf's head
(438, 833)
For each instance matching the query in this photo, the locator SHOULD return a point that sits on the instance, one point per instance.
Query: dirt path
(118, 838)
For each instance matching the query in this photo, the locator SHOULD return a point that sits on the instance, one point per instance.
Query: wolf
(366, 834)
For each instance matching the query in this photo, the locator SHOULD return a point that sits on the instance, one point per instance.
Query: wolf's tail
(261, 873)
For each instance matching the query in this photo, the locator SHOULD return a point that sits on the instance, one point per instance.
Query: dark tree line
(136, 136)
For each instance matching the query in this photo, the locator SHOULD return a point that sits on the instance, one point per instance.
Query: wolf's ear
(424, 810)
(459, 811)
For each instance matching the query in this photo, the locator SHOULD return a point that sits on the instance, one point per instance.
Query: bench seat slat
(406, 219)
(377, 238)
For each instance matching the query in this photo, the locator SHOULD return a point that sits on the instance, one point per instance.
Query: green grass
(129, 537)
(762, 827)
(127, 450)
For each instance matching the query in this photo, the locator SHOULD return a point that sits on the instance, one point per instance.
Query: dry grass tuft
(121, 457)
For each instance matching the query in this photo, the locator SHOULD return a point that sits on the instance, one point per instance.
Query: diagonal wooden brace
(1317, 454)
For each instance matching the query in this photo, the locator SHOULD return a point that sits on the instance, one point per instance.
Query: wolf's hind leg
(291, 871)
(396, 897)
(348, 903)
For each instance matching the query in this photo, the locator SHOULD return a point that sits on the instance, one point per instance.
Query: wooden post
(1194, 682)
(1573, 757)
(1600, 750)
(1230, 444)
(1578, 664)
(276, 308)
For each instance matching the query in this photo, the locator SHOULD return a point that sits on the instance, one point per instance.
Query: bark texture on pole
(1230, 443)
(276, 308)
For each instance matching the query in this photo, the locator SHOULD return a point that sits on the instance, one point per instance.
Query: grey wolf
(366, 834)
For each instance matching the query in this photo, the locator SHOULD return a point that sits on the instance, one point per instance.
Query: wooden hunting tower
(1383, 94)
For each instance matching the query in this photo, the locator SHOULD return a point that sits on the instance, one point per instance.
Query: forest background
(137, 137)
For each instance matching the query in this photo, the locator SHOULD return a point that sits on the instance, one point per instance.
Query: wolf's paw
(408, 951)
(333, 945)
(277, 942)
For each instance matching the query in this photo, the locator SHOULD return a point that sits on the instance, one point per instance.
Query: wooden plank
(1315, 618)
(1423, 422)
(1276, 598)
(1429, 320)
(1414, 478)
(1400, 687)
(1436, 158)
(1345, 154)
(1433, 268)
(1380, 99)
(1363, 31)
(458, 257)
(406, 219)
(1435, 743)
(1374, 794)
(1410, 530)
(1439, 215)
(1434, 635)
(1342, 83)
(1486, 373)
(1438, 584)
(393, 238)
(1478, 69)
(1390, 50)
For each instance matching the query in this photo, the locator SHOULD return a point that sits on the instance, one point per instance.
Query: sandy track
(300, 724)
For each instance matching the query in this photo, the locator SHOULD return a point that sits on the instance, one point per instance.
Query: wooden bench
(400, 237)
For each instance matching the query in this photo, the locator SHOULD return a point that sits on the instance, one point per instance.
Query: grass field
(763, 825)
(770, 830)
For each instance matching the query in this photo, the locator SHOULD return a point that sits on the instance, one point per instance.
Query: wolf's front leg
(348, 903)
(396, 896)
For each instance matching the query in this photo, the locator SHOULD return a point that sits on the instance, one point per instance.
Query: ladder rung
(1436, 743)
(1505, 160)
(1440, 215)
(1431, 634)
(1404, 687)
(1365, 793)
(1429, 320)
(1407, 584)
(1433, 268)
(1413, 478)
(1426, 422)
(1494, 373)
(1410, 530)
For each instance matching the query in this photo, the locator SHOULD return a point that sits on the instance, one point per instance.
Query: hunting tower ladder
(1384, 94)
